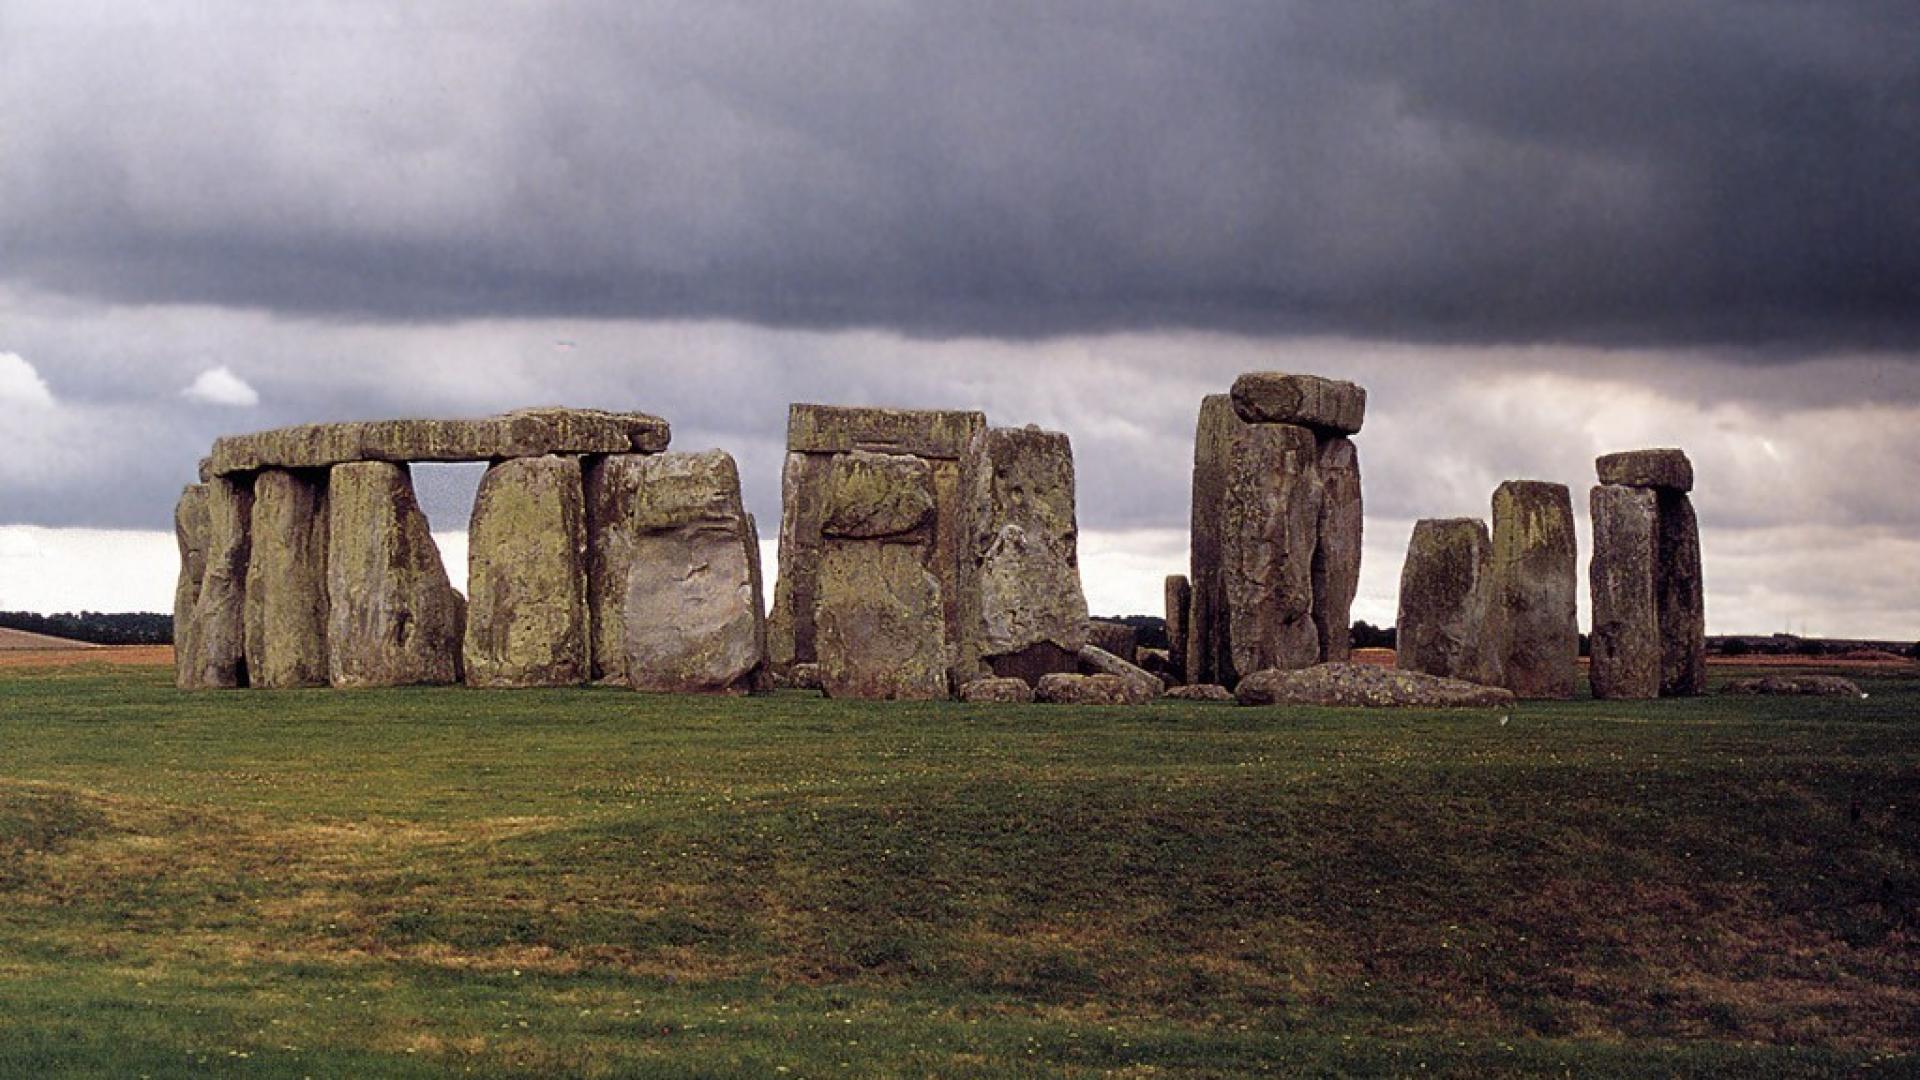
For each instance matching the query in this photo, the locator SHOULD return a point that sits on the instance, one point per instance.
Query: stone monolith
(1446, 601)
(880, 617)
(218, 638)
(1336, 559)
(287, 581)
(1033, 614)
(1329, 406)
(1179, 605)
(190, 530)
(1535, 582)
(1623, 577)
(527, 576)
(1680, 593)
(1271, 517)
(392, 617)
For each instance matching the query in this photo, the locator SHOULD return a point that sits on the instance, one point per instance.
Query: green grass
(600, 883)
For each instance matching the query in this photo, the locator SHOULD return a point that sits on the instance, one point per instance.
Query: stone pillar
(1207, 651)
(1271, 528)
(1681, 591)
(1336, 559)
(1626, 652)
(527, 576)
(217, 641)
(790, 630)
(1675, 584)
(190, 530)
(1179, 604)
(392, 617)
(880, 616)
(1535, 570)
(1446, 601)
(286, 612)
(1033, 613)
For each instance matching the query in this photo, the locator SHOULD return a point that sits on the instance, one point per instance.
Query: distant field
(594, 882)
(12, 640)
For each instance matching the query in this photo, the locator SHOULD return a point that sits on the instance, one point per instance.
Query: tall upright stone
(879, 611)
(218, 638)
(1179, 605)
(1681, 592)
(190, 530)
(1623, 576)
(790, 628)
(1271, 521)
(1536, 570)
(1207, 637)
(1033, 613)
(392, 617)
(1336, 558)
(527, 576)
(1447, 596)
(286, 607)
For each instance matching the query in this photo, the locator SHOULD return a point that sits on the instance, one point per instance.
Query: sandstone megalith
(191, 532)
(1681, 591)
(1623, 580)
(217, 640)
(1179, 605)
(1330, 406)
(392, 617)
(526, 433)
(1447, 597)
(1033, 614)
(527, 576)
(1663, 469)
(1367, 686)
(1271, 530)
(1336, 558)
(286, 612)
(1535, 582)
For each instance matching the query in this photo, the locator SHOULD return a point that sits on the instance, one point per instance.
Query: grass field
(599, 883)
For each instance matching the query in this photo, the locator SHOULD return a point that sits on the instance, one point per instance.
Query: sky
(1535, 232)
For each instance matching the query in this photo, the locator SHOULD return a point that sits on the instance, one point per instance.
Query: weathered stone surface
(1336, 558)
(1157, 662)
(1034, 661)
(804, 677)
(1622, 579)
(803, 510)
(1207, 653)
(1326, 405)
(1666, 468)
(1028, 546)
(218, 637)
(1535, 573)
(1179, 604)
(1118, 638)
(190, 531)
(1203, 692)
(392, 617)
(878, 496)
(1095, 660)
(1061, 688)
(525, 433)
(836, 429)
(527, 576)
(1447, 594)
(880, 630)
(997, 691)
(287, 581)
(1795, 686)
(693, 615)
(1366, 686)
(1271, 527)
(1680, 592)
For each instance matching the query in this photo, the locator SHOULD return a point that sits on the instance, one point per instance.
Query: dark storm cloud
(1644, 171)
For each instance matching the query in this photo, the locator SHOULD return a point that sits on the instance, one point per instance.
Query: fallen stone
(878, 496)
(1179, 604)
(287, 581)
(836, 429)
(1536, 572)
(190, 531)
(880, 631)
(1061, 688)
(1202, 692)
(1157, 662)
(392, 617)
(997, 691)
(1095, 660)
(1271, 528)
(1336, 557)
(1680, 592)
(1118, 638)
(218, 638)
(1795, 686)
(1447, 596)
(1366, 686)
(1667, 469)
(525, 433)
(1326, 405)
(1626, 650)
(1028, 547)
(1036, 660)
(527, 576)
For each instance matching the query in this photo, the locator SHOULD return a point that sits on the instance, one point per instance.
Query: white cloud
(20, 384)
(220, 386)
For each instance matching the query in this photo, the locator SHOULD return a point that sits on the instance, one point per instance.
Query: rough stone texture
(803, 509)
(287, 581)
(1447, 593)
(1203, 692)
(1680, 592)
(1271, 525)
(1666, 468)
(1329, 406)
(1034, 661)
(217, 641)
(525, 433)
(1179, 604)
(1795, 686)
(1207, 659)
(1095, 660)
(1158, 663)
(997, 691)
(1535, 574)
(527, 576)
(1366, 686)
(1336, 558)
(1028, 546)
(392, 617)
(1118, 638)
(1622, 578)
(693, 615)
(1061, 688)
(878, 496)
(836, 429)
(190, 531)
(804, 677)
(880, 630)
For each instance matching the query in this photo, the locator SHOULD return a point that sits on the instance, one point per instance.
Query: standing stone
(1033, 614)
(287, 581)
(1179, 603)
(1446, 601)
(1622, 577)
(803, 496)
(1207, 624)
(880, 619)
(190, 530)
(1271, 525)
(218, 639)
(1681, 595)
(1336, 559)
(527, 577)
(392, 617)
(1535, 571)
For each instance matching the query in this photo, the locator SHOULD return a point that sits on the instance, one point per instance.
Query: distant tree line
(95, 627)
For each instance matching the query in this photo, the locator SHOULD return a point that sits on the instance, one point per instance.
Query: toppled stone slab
(1666, 469)
(1330, 406)
(1209, 693)
(1366, 686)
(287, 581)
(997, 691)
(190, 530)
(527, 576)
(1535, 581)
(878, 496)
(1118, 638)
(218, 637)
(1795, 686)
(880, 631)
(393, 619)
(1446, 602)
(1095, 660)
(520, 434)
(1622, 579)
(1028, 546)
(838, 429)
(1336, 559)
(1061, 688)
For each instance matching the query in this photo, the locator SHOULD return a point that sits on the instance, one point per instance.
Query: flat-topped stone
(1664, 468)
(521, 434)
(840, 429)
(1329, 406)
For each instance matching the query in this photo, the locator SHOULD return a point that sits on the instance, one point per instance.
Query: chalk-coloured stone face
(190, 530)
(218, 637)
(1071, 689)
(1367, 686)
(1336, 561)
(1329, 406)
(1623, 580)
(881, 631)
(392, 617)
(1536, 571)
(1095, 660)
(1272, 523)
(1028, 549)
(1667, 469)
(1446, 598)
(526, 433)
(287, 581)
(878, 496)
(1681, 595)
(527, 581)
(692, 612)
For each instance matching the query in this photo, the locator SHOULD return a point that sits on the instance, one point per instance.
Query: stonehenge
(1649, 597)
